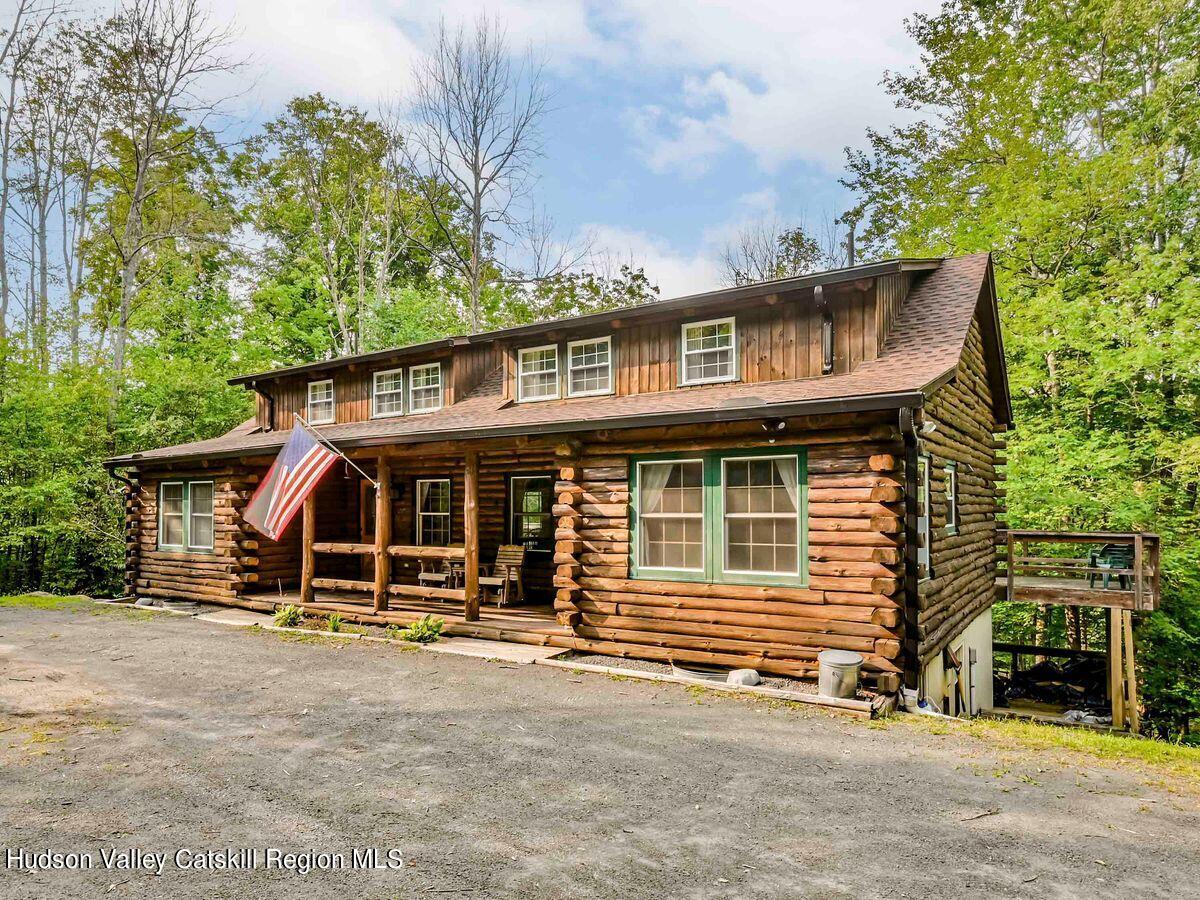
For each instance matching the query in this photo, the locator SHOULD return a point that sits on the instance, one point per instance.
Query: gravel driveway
(142, 730)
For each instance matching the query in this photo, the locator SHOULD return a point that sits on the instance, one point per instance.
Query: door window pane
(531, 501)
(433, 512)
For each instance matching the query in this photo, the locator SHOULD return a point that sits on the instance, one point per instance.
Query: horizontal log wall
(963, 564)
(217, 575)
(853, 598)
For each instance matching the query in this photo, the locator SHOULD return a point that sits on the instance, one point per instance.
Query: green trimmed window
(735, 517)
(185, 515)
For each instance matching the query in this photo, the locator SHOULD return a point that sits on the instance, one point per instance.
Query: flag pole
(324, 443)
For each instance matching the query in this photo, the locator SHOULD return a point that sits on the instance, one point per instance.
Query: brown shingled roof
(922, 350)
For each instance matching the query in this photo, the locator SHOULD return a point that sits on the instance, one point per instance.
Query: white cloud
(783, 80)
(676, 273)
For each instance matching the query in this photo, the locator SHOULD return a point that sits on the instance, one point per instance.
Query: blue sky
(674, 123)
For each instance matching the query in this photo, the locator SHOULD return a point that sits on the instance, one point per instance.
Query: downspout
(270, 398)
(111, 469)
(912, 660)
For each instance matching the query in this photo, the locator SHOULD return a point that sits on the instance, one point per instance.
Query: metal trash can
(838, 673)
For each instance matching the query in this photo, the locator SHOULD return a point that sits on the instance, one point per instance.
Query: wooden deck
(516, 624)
(1064, 591)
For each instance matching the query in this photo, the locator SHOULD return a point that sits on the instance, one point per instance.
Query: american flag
(293, 476)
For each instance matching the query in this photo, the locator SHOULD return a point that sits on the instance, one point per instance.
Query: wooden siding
(853, 597)
(778, 339)
(963, 564)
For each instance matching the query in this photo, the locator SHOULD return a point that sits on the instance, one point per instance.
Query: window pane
(426, 382)
(761, 505)
(171, 526)
(671, 500)
(539, 373)
(389, 393)
(589, 367)
(434, 496)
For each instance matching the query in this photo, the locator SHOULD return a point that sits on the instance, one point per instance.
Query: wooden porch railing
(1043, 577)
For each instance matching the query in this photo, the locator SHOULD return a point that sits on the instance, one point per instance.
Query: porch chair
(505, 576)
(1111, 556)
(433, 574)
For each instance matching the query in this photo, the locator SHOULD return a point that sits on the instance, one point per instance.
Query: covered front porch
(406, 531)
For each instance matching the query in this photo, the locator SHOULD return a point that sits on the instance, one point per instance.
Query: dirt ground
(143, 730)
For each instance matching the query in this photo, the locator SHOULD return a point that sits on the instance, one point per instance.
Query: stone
(744, 676)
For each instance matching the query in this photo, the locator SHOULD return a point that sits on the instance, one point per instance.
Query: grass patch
(39, 601)
(1177, 760)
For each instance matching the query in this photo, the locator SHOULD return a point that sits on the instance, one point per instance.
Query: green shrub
(425, 630)
(288, 617)
(334, 622)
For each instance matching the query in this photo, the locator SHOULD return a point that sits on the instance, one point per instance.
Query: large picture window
(531, 502)
(709, 353)
(589, 367)
(320, 402)
(185, 515)
(537, 373)
(734, 517)
(433, 512)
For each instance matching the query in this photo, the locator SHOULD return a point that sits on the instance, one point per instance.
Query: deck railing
(1043, 566)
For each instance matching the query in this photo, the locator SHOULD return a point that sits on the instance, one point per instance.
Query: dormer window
(537, 373)
(320, 402)
(425, 388)
(387, 394)
(589, 367)
(709, 353)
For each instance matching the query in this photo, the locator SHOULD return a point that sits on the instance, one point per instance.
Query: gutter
(270, 398)
(867, 403)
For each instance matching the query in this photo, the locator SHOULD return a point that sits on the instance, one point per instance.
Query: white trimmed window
(709, 353)
(425, 388)
(387, 394)
(589, 367)
(537, 373)
(433, 512)
(320, 402)
(185, 515)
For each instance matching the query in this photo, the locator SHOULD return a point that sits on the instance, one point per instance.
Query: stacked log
(853, 596)
(216, 575)
(963, 560)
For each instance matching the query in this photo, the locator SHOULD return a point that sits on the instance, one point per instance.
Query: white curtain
(654, 478)
(786, 468)
(422, 493)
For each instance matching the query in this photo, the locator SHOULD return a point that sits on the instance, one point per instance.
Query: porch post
(307, 557)
(383, 532)
(471, 536)
(1116, 668)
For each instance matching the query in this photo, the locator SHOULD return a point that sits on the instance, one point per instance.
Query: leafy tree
(1063, 135)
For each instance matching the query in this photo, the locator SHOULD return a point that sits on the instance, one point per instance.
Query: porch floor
(525, 624)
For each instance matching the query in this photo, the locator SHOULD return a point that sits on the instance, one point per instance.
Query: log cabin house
(736, 478)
